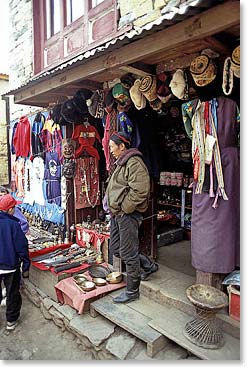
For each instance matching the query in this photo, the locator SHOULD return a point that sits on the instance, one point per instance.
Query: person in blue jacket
(14, 259)
(18, 214)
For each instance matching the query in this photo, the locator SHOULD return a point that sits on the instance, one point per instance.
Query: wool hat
(235, 61)
(56, 115)
(70, 113)
(7, 202)
(121, 94)
(148, 87)
(96, 104)
(178, 84)
(203, 70)
(137, 97)
(80, 98)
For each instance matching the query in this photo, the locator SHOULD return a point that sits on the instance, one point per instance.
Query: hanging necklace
(227, 82)
(87, 190)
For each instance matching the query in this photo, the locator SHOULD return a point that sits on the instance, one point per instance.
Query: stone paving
(98, 336)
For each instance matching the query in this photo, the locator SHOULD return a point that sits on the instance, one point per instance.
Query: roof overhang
(137, 56)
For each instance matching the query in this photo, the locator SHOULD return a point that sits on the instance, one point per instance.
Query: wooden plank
(130, 320)
(205, 24)
(171, 324)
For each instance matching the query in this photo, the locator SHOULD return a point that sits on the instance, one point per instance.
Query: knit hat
(203, 70)
(148, 87)
(235, 61)
(137, 97)
(96, 104)
(7, 202)
(178, 84)
(121, 94)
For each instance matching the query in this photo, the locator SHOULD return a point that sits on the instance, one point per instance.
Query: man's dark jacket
(13, 244)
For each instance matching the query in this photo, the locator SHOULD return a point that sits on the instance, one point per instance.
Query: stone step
(168, 286)
(131, 320)
(171, 324)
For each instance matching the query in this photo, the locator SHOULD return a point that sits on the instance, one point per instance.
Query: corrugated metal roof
(175, 11)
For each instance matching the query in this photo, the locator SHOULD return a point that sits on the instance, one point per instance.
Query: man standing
(14, 258)
(127, 198)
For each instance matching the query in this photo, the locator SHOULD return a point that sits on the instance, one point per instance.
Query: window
(96, 2)
(75, 9)
(53, 17)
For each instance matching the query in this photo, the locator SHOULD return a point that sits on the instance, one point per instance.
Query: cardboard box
(234, 302)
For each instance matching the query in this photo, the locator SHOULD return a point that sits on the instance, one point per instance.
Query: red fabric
(22, 138)
(69, 294)
(93, 236)
(34, 253)
(86, 142)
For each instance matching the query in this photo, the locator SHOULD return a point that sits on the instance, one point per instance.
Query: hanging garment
(21, 141)
(215, 229)
(37, 180)
(28, 177)
(51, 137)
(86, 183)
(53, 178)
(37, 127)
(110, 127)
(86, 135)
(18, 169)
(12, 138)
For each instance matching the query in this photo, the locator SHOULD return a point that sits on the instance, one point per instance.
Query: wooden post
(212, 279)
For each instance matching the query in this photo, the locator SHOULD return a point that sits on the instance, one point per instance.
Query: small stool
(205, 330)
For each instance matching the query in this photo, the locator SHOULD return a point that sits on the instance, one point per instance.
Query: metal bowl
(80, 279)
(87, 286)
(99, 281)
(114, 278)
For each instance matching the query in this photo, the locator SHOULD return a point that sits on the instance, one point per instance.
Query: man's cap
(6, 202)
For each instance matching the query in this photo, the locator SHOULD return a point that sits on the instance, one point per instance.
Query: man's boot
(131, 293)
(148, 266)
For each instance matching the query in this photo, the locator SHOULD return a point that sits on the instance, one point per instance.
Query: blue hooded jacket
(13, 244)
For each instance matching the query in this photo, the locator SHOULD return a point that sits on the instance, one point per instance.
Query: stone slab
(130, 320)
(167, 326)
(96, 329)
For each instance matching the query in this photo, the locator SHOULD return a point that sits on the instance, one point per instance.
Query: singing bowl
(87, 286)
(80, 279)
(99, 281)
(114, 278)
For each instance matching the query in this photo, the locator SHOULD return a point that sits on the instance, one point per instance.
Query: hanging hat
(96, 104)
(148, 87)
(127, 81)
(70, 113)
(235, 61)
(80, 98)
(178, 84)
(137, 97)
(7, 202)
(56, 115)
(203, 70)
(121, 94)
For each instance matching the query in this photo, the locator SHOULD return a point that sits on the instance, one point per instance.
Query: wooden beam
(205, 24)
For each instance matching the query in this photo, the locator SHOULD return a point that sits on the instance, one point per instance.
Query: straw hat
(137, 97)
(148, 87)
(178, 84)
(203, 70)
(235, 61)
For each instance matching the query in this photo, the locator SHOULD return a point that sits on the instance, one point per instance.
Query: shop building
(142, 59)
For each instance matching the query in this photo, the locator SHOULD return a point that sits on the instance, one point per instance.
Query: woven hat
(121, 94)
(203, 70)
(137, 97)
(7, 202)
(178, 84)
(148, 87)
(96, 104)
(235, 61)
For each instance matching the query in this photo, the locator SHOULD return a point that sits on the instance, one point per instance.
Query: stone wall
(4, 171)
(21, 45)
(140, 12)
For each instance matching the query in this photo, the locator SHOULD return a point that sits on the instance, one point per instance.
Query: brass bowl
(87, 286)
(99, 281)
(114, 278)
(80, 279)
